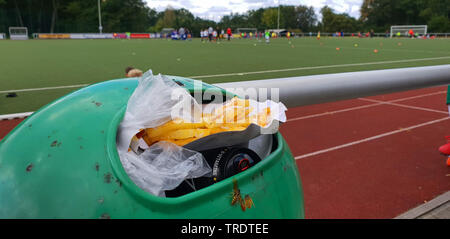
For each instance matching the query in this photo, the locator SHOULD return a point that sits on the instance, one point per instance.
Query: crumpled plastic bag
(164, 165)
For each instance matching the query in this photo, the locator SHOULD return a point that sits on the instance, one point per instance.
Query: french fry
(187, 133)
(263, 116)
(232, 116)
(173, 125)
(242, 114)
(239, 102)
(226, 129)
(149, 140)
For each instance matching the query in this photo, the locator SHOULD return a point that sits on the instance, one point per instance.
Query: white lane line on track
(369, 139)
(404, 106)
(366, 106)
(333, 112)
(418, 96)
(256, 72)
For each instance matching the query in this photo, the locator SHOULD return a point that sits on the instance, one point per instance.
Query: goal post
(403, 31)
(18, 33)
(246, 30)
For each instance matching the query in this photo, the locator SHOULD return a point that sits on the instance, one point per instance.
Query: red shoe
(445, 149)
(448, 161)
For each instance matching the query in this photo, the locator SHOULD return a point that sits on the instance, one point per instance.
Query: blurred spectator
(210, 33)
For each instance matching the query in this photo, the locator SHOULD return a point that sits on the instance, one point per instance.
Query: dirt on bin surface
(374, 157)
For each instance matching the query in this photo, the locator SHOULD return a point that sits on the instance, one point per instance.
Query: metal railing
(308, 90)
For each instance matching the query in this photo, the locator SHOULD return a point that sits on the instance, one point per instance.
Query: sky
(216, 9)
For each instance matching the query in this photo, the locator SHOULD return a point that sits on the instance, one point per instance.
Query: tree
(42, 16)
(254, 18)
(55, 5)
(288, 17)
(184, 18)
(270, 18)
(332, 22)
(381, 14)
(306, 18)
(19, 15)
(439, 24)
(169, 18)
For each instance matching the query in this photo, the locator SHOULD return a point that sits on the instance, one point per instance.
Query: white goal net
(18, 33)
(404, 31)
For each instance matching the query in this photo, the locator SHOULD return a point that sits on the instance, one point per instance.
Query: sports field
(32, 68)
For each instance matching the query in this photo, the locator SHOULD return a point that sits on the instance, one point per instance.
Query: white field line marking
(369, 139)
(405, 106)
(365, 106)
(44, 88)
(256, 72)
(321, 67)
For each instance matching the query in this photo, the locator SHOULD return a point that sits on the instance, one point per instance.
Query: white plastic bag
(164, 165)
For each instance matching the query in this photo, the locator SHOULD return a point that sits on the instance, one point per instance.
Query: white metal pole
(100, 28)
(278, 26)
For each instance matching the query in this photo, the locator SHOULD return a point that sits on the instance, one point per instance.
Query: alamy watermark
(228, 107)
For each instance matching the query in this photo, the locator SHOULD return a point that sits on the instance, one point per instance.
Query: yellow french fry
(172, 125)
(242, 114)
(186, 133)
(263, 116)
(226, 129)
(232, 116)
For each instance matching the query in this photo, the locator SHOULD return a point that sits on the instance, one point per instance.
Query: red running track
(374, 157)
(371, 158)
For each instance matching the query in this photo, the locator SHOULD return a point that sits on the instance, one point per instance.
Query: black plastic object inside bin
(225, 162)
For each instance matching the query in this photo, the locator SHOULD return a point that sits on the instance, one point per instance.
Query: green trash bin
(62, 162)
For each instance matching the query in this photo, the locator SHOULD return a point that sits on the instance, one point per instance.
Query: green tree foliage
(75, 15)
(381, 14)
(306, 18)
(270, 18)
(235, 21)
(332, 22)
(64, 16)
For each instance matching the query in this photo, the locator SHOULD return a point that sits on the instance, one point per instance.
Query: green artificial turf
(47, 63)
